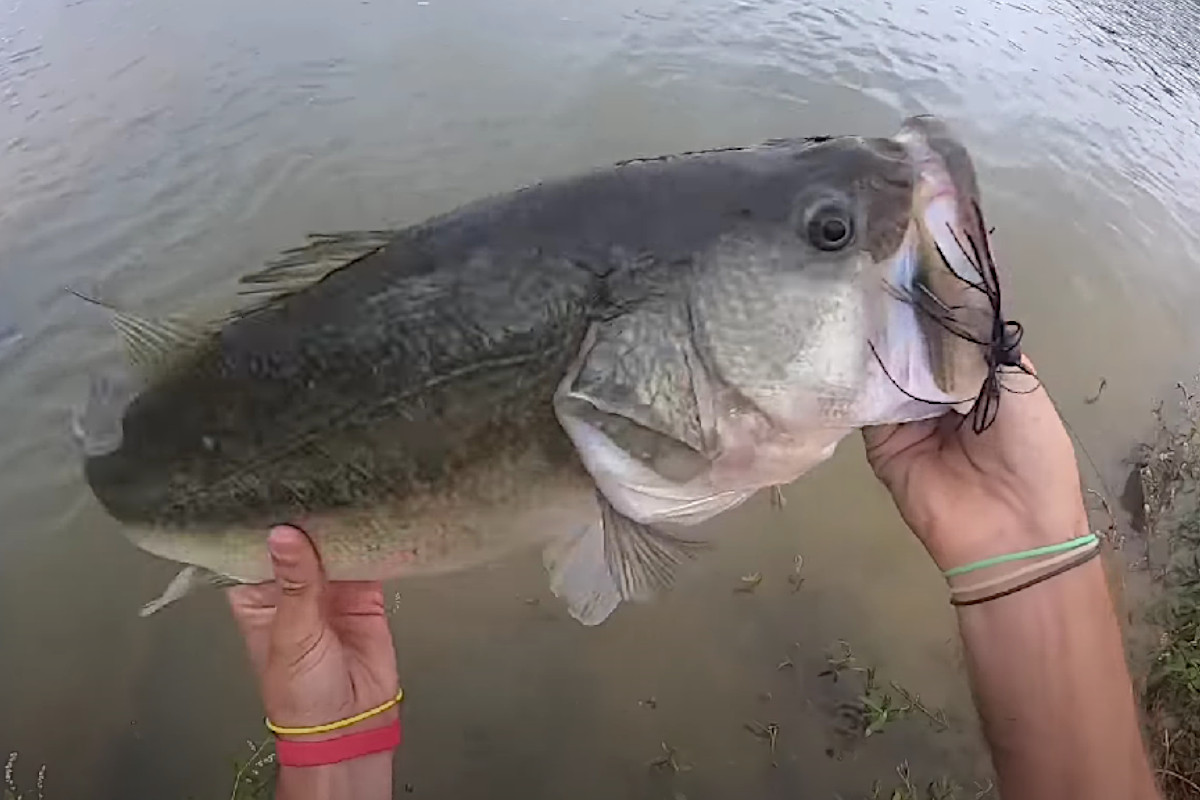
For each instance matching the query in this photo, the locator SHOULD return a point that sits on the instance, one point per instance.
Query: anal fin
(189, 579)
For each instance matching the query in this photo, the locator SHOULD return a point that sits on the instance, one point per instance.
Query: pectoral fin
(616, 559)
(579, 575)
(642, 559)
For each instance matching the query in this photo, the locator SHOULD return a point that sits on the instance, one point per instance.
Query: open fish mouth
(956, 288)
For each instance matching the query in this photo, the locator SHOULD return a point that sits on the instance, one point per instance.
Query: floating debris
(796, 580)
(942, 788)
(1099, 391)
(840, 659)
(394, 604)
(749, 583)
(671, 759)
(777, 498)
(768, 732)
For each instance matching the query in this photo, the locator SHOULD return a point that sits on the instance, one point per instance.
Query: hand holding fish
(1038, 656)
(322, 652)
(970, 496)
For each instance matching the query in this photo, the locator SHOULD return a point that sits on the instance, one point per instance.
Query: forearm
(1048, 670)
(366, 778)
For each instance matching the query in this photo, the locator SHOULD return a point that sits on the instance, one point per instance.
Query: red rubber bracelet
(343, 748)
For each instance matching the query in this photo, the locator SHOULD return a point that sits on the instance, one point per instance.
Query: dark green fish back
(377, 381)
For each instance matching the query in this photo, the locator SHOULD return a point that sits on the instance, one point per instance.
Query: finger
(253, 610)
(355, 598)
(253, 621)
(297, 568)
(250, 598)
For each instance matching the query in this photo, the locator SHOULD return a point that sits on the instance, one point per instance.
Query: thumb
(297, 568)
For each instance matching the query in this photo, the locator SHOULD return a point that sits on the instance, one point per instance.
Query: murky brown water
(158, 149)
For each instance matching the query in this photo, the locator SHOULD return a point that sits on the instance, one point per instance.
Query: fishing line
(1002, 350)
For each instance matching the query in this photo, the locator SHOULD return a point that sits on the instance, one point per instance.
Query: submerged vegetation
(876, 705)
(254, 777)
(909, 788)
(12, 790)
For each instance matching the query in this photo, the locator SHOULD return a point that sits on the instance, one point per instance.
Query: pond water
(156, 149)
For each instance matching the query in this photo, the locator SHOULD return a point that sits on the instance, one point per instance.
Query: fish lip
(953, 252)
(945, 196)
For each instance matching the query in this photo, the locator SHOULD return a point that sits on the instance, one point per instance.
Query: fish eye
(830, 227)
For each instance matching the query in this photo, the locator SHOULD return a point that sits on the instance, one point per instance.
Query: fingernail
(281, 543)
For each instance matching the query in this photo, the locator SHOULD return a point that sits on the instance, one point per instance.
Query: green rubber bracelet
(1046, 550)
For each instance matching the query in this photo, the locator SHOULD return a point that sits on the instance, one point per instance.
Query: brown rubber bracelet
(1019, 576)
(1092, 553)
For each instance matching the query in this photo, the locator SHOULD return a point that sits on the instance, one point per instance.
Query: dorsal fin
(153, 345)
(301, 267)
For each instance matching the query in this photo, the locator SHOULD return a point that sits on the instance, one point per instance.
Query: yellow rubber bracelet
(339, 724)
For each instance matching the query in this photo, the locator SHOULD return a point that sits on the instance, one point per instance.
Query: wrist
(371, 723)
(356, 737)
(366, 778)
(1056, 603)
(306, 722)
(969, 539)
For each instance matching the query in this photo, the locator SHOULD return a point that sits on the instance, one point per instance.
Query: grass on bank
(1169, 482)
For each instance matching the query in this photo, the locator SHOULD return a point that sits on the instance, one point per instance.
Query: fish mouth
(946, 199)
(953, 286)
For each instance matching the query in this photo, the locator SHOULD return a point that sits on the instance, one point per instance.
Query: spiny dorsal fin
(301, 267)
(154, 346)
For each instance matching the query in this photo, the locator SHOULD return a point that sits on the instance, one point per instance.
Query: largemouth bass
(597, 363)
